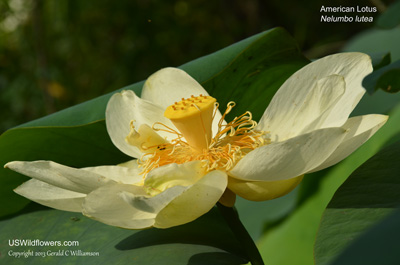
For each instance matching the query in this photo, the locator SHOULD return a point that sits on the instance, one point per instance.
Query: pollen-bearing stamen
(193, 118)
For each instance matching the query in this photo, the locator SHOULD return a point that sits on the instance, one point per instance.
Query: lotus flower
(186, 157)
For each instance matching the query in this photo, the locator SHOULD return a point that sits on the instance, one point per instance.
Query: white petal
(61, 176)
(263, 190)
(290, 158)
(305, 112)
(128, 206)
(107, 205)
(129, 164)
(125, 107)
(289, 99)
(120, 174)
(171, 175)
(145, 138)
(168, 85)
(51, 196)
(360, 129)
(194, 201)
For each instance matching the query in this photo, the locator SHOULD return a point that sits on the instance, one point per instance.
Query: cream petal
(165, 177)
(61, 176)
(129, 164)
(170, 85)
(120, 174)
(284, 107)
(145, 138)
(290, 158)
(360, 129)
(195, 201)
(310, 109)
(263, 190)
(125, 107)
(128, 206)
(179, 205)
(51, 196)
(108, 205)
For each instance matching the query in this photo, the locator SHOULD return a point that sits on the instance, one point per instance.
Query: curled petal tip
(9, 164)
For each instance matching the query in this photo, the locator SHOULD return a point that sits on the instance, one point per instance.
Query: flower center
(193, 118)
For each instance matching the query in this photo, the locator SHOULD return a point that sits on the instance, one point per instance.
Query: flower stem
(231, 216)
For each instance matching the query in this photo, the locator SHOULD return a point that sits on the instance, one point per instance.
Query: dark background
(58, 53)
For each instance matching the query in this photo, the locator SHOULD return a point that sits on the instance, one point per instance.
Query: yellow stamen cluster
(193, 120)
